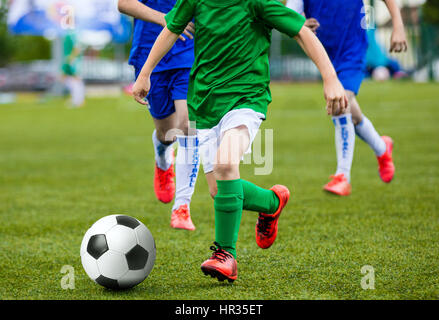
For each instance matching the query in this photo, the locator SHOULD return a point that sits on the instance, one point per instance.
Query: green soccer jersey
(232, 41)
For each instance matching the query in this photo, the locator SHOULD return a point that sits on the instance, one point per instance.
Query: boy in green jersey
(228, 98)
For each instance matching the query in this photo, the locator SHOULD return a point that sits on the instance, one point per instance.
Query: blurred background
(50, 46)
(421, 18)
(56, 46)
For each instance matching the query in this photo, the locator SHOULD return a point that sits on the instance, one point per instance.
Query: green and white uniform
(229, 87)
(232, 42)
(69, 65)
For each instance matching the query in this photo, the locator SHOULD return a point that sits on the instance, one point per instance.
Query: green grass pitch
(61, 170)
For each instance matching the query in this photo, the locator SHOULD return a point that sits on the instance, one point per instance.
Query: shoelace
(218, 253)
(335, 179)
(182, 212)
(264, 225)
(165, 177)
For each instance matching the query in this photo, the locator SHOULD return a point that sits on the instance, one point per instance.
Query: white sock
(187, 166)
(344, 143)
(163, 153)
(77, 90)
(368, 134)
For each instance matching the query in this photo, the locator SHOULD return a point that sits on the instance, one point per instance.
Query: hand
(141, 89)
(335, 96)
(398, 41)
(188, 31)
(313, 24)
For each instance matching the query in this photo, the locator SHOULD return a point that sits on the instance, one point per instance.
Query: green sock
(228, 205)
(259, 199)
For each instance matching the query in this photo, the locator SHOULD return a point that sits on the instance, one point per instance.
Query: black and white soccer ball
(118, 252)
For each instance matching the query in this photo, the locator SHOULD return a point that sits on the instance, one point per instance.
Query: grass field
(62, 169)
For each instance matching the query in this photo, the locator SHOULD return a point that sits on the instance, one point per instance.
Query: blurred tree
(6, 48)
(12, 46)
(431, 11)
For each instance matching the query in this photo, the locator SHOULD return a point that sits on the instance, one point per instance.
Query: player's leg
(232, 195)
(382, 146)
(365, 129)
(187, 162)
(166, 116)
(186, 170)
(344, 146)
(269, 203)
(163, 138)
(208, 146)
(351, 75)
(255, 198)
(77, 90)
(211, 183)
(228, 204)
(229, 200)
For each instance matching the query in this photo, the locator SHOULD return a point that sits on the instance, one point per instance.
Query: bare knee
(163, 136)
(226, 171)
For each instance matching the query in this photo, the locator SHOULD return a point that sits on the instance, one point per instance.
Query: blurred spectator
(72, 55)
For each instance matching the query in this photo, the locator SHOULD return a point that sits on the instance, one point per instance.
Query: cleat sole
(216, 274)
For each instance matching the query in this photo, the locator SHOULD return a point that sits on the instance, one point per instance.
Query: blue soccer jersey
(342, 32)
(145, 33)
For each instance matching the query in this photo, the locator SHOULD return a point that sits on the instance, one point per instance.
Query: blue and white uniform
(342, 32)
(170, 78)
(169, 82)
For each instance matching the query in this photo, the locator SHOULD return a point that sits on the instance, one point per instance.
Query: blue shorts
(351, 78)
(166, 87)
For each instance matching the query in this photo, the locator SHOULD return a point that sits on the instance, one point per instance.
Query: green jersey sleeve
(178, 18)
(279, 17)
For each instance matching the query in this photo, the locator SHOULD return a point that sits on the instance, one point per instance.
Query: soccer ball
(118, 252)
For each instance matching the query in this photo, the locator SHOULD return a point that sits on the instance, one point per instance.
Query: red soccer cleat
(386, 168)
(339, 185)
(164, 185)
(266, 227)
(181, 218)
(221, 265)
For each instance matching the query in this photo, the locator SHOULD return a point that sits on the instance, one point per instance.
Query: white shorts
(210, 139)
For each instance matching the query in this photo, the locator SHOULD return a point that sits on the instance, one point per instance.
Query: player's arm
(398, 39)
(140, 11)
(291, 23)
(176, 22)
(335, 96)
(162, 45)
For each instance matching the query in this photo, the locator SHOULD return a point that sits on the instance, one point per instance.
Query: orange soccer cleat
(339, 185)
(386, 168)
(221, 265)
(164, 185)
(181, 218)
(266, 227)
